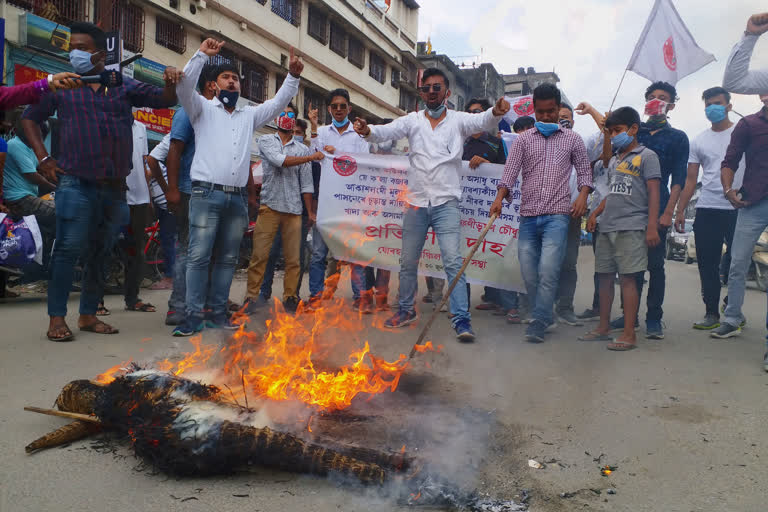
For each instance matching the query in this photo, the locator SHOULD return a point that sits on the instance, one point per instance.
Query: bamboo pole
(64, 414)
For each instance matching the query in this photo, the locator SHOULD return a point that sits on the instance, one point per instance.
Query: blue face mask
(81, 61)
(299, 139)
(716, 113)
(621, 141)
(547, 129)
(341, 124)
(435, 113)
(228, 98)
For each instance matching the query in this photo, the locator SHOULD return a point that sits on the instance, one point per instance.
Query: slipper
(102, 311)
(65, 336)
(595, 336)
(107, 329)
(621, 346)
(486, 306)
(144, 307)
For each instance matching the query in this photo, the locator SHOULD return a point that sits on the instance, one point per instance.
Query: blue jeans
(751, 223)
(217, 222)
(317, 266)
(178, 298)
(657, 280)
(541, 249)
(444, 221)
(87, 216)
(167, 235)
(274, 254)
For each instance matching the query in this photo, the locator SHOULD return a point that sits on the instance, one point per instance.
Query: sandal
(144, 307)
(99, 327)
(64, 334)
(595, 336)
(513, 317)
(621, 346)
(102, 310)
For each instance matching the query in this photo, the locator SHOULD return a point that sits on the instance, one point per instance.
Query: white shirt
(435, 157)
(160, 153)
(223, 139)
(738, 78)
(347, 141)
(708, 149)
(138, 190)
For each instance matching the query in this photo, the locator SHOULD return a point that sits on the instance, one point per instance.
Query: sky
(588, 43)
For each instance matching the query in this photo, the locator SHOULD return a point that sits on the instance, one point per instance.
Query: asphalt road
(683, 419)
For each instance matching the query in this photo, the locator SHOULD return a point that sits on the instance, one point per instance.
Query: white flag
(666, 50)
(520, 106)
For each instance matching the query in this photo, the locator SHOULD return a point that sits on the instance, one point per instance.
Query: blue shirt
(182, 130)
(19, 161)
(672, 148)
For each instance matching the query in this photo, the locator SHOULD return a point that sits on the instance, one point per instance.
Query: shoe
(654, 330)
(617, 324)
(513, 317)
(251, 305)
(174, 318)
(567, 317)
(363, 305)
(708, 323)
(187, 328)
(725, 330)
(291, 304)
(221, 323)
(400, 319)
(487, 306)
(464, 332)
(535, 332)
(589, 314)
(382, 303)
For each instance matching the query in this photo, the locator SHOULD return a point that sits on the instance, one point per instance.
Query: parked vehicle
(760, 261)
(677, 243)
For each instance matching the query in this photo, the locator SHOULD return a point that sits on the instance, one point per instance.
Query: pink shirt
(23, 94)
(545, 164)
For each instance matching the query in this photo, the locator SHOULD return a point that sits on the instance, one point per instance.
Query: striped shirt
(95, 134)
(283, 186)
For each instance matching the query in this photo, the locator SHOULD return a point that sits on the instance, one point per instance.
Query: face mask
(716, 113)
(299, 139)
(656, 107)
(546, 129)
(340, 124)
(621, 141)
(566, 123)
(81, 61)
(435, 113)
(286, 122)
(228, 98)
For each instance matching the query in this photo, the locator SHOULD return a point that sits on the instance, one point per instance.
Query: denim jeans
(87, 215)
(712, 228)
(657, 280)
(751, 223)
(167, 235)
(568, 276)
(178, 299)
(274, 254)
(444, 221)
(541, 249)
(217, 222)
(318, 264)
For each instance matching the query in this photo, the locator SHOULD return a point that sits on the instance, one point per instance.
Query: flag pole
(618, 88)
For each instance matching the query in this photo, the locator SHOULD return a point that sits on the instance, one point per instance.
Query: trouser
(752, 221)
(568, 276)
(712, 228)
(177, 301)
(656, 279)
(541, 250)
(274, 255)
(217, 221)
(86, 215)
(318, 264)
(45, 215)
(134, 268)
(444, 221)
(267, 226)
(435, 286)
(167, 235)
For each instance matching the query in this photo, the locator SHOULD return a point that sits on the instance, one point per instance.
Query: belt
(230, 189)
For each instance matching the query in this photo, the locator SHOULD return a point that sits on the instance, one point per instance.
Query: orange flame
(109, 375)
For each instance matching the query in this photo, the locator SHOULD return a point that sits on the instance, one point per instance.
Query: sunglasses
(338, 106)
(289, 114)
(433, 87)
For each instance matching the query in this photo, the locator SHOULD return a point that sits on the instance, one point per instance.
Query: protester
(287, 184)
(630, 214)
(738, 78)
(95, 144)
(4, 291)
(338, 137)
(32, 92)
(749, 139)
(436, 136)
(220, 173)
(544, 158)
(715, 215)
(166, 221)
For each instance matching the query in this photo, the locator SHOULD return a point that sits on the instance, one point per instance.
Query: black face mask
(566, 123)
(228, 98)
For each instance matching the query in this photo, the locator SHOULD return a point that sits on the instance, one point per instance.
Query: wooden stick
(467, 261)
(64, 414)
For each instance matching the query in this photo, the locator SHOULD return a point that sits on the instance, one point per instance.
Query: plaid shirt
(95, 135)
(546, 164)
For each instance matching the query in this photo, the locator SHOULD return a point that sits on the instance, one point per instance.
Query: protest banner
(360, 217)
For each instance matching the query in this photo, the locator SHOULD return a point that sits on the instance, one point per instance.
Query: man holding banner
(436, 137)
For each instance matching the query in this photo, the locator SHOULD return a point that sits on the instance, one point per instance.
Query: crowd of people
(631, 182)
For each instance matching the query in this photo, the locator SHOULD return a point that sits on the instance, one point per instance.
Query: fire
(109, 375)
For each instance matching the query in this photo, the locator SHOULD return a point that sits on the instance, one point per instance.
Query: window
(408, 101)
(395, 78)
(356, 52)
(338, 39)
(125, 17)
(411, 75)
(318, 24)
(225, 56)
(170, 34)
(279, 79)
(377, 68)
(254, 86)
(58, 11)
(316, 100)
(289, 10)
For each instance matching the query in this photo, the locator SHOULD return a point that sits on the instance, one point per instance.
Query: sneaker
(654, 330)
(567, 317)
(186, 328)
(513, 317)
(174, 318)
(464, 332)
(291, 304)
(251, 305)
(400, 319)
(726, 330)
(617, 324)
(221, 323)
(535, 332)
(589, 314)
(708, 323)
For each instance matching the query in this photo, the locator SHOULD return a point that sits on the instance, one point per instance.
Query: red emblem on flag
(523, 106)
(344, 165)
(669, 54)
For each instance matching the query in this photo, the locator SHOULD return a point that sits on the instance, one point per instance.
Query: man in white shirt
(436, 137)
(738, 78)
(715, 215)
(220, 172)
(337, 137)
